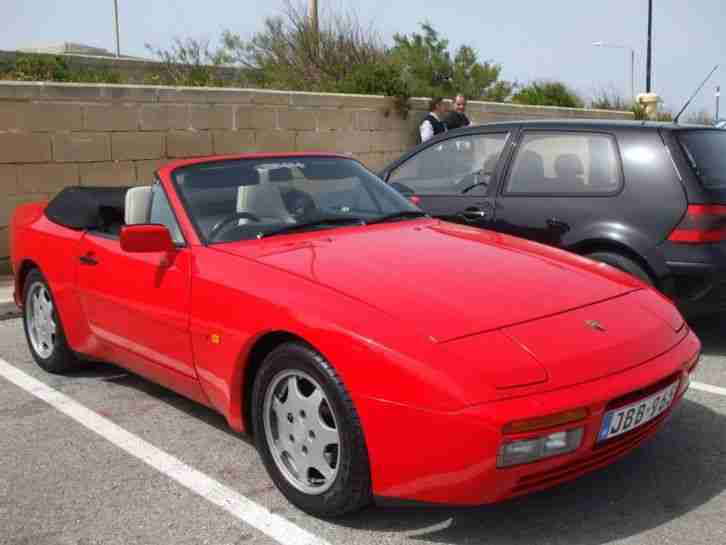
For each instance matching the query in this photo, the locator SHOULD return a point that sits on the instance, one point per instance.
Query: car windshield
(244, 199)
(706, 151)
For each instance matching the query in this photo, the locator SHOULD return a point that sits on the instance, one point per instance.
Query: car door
(558, 181)
(453, 178)
(138, 303)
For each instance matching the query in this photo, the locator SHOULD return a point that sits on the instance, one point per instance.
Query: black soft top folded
(87, 207)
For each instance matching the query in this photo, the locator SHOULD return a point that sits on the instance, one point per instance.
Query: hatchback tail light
(702, 223)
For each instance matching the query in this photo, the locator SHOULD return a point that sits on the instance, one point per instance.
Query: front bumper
(450, 458)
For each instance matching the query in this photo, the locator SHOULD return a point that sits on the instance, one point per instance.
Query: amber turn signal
(543, 422)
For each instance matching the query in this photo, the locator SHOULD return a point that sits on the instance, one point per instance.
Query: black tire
(623, 263)
(351, 488)
(61, 359)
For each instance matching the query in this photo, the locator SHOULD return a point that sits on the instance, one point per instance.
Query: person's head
(437, 106)
(460, 103)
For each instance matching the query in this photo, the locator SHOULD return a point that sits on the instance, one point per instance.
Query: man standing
(433, 123)
(457, 118)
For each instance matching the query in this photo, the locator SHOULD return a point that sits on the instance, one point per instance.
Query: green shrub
(547, 94)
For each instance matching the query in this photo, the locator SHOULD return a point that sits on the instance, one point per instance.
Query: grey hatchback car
(648, 198)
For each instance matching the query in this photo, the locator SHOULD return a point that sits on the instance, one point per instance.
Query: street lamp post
(115, 13)
(650, 34)
(632, 62)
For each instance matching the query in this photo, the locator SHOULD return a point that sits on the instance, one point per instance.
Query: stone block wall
(53, 135)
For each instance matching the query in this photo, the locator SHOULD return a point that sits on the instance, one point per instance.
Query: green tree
(288, 53)
(547, 93)
(429, 69)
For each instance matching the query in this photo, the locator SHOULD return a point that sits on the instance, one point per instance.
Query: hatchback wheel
(308, 433)
(623, 263)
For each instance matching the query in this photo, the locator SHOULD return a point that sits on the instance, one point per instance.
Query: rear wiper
(402, 215)
(319, 223)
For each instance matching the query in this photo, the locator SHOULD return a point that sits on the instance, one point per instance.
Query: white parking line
(247, 511)
(708, 388)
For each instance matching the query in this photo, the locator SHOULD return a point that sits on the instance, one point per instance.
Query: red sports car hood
(445, 280)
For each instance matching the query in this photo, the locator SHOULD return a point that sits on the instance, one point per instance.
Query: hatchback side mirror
(146, 238)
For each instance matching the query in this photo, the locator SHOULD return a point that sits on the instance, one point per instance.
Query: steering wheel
(224, 222)
(299, 204)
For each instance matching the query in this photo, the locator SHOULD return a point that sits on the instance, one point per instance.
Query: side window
(576, 163)
(161, 213)
(457, 165)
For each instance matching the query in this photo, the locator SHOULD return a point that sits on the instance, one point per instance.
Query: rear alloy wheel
(308, 433)
(43, 328)
(623, 263)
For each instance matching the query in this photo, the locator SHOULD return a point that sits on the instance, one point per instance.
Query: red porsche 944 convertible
(373, 352)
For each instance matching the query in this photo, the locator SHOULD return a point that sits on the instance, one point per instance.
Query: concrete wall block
(212, 117)
(111, 117)
(374, 161)
(317, 100)
(10, 115)
(368, 120)
(231, 142)
(298, 120)
(24, 148)
(164, 117)
(81, 147)
(137, 145)
(188, 143)
(256, 118)
(283, 141)
(316, 141)
(117, 173)
(4, 248)
(70, 91)
(369, 102)
(129, 93)
(204, 95)
(270, 98)
(335, 119)
(50, 116)
(394, 121)
(354, 141)
(145, 170)
(47, 178)
(9, 177)
(19, 90)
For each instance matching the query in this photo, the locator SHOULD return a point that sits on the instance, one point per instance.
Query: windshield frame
(295, 156)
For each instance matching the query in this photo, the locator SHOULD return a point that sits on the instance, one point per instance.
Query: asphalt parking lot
(164, 470)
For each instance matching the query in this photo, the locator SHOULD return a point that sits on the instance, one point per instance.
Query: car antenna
(675, 120)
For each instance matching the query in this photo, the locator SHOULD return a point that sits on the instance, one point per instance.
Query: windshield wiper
(319, 223)
(402, 215)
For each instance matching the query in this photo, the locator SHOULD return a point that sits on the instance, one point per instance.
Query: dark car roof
(590, 123)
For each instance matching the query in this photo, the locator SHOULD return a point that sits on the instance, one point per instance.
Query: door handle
(88, 259)
(474, 214)
(559, 225)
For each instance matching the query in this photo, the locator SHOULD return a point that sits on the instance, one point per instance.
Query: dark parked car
(648, 198)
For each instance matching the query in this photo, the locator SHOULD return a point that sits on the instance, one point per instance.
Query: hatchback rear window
(706, 152)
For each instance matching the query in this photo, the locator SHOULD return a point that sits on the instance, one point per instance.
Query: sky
(530, 39)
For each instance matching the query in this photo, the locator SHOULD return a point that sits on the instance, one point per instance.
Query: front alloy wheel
(308, 433)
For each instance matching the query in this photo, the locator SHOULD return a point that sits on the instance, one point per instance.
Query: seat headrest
(569, 165)
(138, 205)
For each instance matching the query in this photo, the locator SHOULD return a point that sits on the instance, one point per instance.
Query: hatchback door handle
(474, 213)
(554, 223)
(88, 259)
